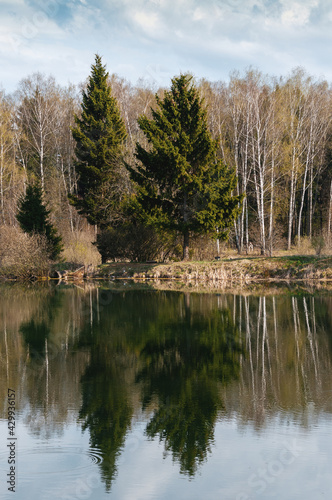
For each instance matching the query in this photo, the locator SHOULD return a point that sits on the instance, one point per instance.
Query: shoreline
(230, 273)
(237, 271)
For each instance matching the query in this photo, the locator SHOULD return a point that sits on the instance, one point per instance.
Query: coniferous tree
(33, 218)
(99, 135)
(182, 186)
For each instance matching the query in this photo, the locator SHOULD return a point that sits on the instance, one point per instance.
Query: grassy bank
(229, 271)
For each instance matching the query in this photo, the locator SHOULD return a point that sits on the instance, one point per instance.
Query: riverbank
(226, 272)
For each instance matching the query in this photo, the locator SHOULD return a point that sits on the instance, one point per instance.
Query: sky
(155, 40)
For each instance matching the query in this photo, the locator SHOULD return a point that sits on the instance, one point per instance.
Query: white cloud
(148, 21)
(297, 13)
(208, 37)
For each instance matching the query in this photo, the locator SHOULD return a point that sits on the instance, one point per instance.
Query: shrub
(303, 247)
(135, 242)
(23, 256)
(318, 243)
(80, 249)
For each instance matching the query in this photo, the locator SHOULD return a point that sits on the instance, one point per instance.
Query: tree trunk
(186, 244)
(291, 202)
(237, 242)
(2, 201)
(41, 163)
(330, 216)
(304, 189)
(310, 202)
(66, 191)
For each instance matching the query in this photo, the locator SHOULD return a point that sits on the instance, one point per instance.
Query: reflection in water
(177, 353)
(40, 327)
(176, 361)
(106, 410)
(288, 362)
(181, 366)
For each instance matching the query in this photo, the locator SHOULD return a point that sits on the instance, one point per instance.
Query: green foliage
(134, 241)
(106, 411)
(182, 186)
(33, 218)
(99, 134)
(179, 373)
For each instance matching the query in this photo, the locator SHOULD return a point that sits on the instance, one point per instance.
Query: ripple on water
(62, 460)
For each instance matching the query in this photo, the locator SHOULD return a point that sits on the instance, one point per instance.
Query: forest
(273, 132)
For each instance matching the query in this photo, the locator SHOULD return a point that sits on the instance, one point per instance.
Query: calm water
(150, 395)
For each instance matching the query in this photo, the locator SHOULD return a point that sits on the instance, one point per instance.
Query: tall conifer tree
(99, 135)
(182, 185)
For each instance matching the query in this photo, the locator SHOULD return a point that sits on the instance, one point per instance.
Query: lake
(114, 392)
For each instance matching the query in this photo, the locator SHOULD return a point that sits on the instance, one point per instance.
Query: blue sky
(157, 39)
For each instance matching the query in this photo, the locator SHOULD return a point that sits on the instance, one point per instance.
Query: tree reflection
(106, 412)
(35, 335)
(50, 366)
(181, 350)
(171, 354)
(36, 331)
(183, 367)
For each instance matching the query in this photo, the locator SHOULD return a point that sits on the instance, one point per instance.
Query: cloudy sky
(157, 39)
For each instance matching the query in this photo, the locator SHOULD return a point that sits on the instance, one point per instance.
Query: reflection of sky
(243, 465)
(156, 39)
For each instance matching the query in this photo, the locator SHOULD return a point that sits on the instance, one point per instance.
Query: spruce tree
(99, 135)
(33, 218)
(181, 185)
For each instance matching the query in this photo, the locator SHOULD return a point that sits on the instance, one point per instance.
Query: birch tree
(317, 126)
(265, 147)
(38, 116)
(236, 147)
(64, 151)
(296, 119)
(9, 172)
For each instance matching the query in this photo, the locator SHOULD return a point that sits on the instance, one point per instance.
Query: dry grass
(231, 271)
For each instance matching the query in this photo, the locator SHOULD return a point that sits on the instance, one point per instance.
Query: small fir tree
(99, 135)
(181, 185)
(33, 218)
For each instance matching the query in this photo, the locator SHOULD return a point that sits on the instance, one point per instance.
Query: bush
(22, 256)
(134, 242)
(205, 247)
(79, 249)
(318, 243)
(303, 247)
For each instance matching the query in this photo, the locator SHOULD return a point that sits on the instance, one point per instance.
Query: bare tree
(38, 113)
(64, 151)
(317, 126)
(296, 115)
(10, 179)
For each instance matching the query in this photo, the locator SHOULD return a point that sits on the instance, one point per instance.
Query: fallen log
(67, 275)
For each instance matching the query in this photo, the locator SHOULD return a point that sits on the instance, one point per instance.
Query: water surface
(144, 394)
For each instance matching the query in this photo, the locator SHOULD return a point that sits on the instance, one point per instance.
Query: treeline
(275, 133)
